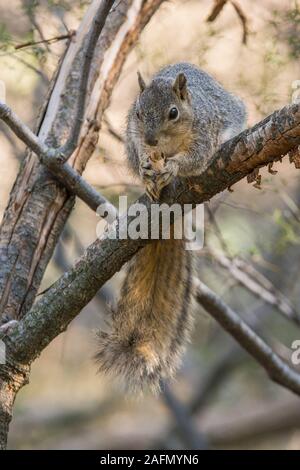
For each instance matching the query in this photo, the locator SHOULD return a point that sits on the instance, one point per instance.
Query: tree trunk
(12, 377)
(39, 205)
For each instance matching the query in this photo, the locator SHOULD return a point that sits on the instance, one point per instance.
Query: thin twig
(218, 7)
(47, 41)
(243, 19)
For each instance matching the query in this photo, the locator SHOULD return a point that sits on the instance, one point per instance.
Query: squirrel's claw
(155, 180)
(150, 186)
(149, 176)
(166, 175)
(152, 193)
(147, 172)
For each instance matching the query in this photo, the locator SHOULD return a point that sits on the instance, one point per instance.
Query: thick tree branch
(278, 370)
(31, 204)
(49, 155)
(265, 142)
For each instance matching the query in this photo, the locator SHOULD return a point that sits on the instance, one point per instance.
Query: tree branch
(67, 175)
(39, 204)
(267, 141)
(218, 7)
(264, 143)
(256, 283)
(190, 436)
(46, 41)
(278, 370)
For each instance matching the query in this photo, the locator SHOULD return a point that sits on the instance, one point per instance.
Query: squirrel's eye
(138, 114)
(173, 113)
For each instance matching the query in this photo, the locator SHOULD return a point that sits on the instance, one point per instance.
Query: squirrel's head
(163, 109)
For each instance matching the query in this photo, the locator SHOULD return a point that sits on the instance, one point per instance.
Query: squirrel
(174, 127)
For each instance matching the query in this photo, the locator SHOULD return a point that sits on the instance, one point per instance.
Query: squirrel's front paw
(149, 175)
(156, 178)
(167, 174)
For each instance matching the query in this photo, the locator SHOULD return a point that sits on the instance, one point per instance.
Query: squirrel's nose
(151, 140)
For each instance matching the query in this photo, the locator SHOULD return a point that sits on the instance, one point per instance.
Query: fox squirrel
(174, 127)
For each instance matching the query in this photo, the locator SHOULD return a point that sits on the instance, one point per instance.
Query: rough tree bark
(39, 205)
(266, 142)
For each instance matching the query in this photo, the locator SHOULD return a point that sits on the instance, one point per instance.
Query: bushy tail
(152, 321)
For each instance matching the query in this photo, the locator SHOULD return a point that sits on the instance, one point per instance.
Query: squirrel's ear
(141, 81)
(180, 86)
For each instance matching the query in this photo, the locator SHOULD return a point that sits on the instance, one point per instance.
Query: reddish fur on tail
(151, 323)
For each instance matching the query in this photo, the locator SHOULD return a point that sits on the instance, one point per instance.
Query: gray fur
(152, 322)
(214, 114)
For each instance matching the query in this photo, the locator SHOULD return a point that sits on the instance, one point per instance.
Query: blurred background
(221, 397)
